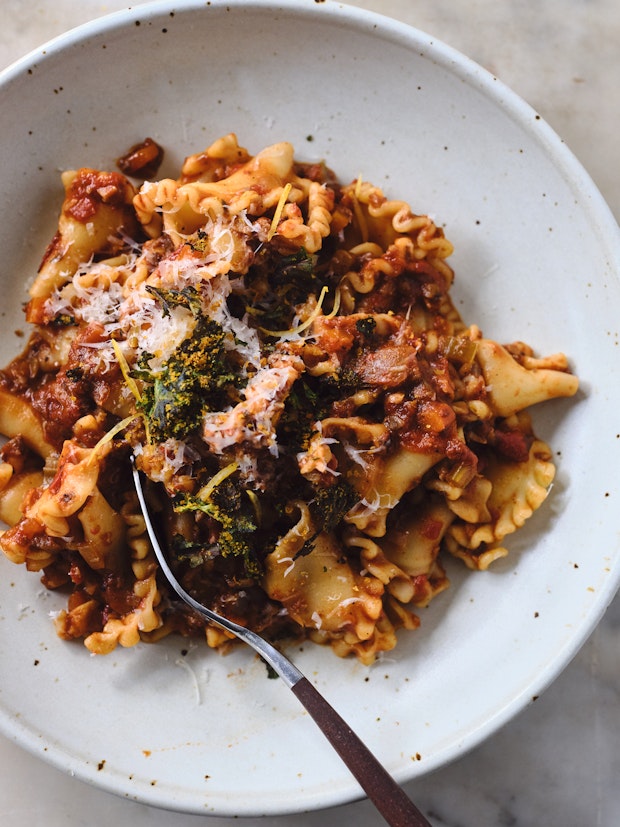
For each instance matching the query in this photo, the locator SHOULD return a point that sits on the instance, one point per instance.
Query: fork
(386, 795)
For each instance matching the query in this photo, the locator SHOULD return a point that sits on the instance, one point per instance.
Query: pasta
(280, 354)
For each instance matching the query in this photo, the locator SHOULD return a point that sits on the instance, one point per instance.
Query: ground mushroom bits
(279, 353)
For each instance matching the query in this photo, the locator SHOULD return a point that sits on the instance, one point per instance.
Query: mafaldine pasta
(280, 356)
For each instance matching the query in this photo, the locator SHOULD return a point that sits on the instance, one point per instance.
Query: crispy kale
(200, 242)
(331, 503)
(329, 506)
(194, 379)
(310, 400)
(366, 326)
(297, 422)
(193, 553)
(63, 320)
(297, 270)
(334, 386)
(228, 507)
(280, 283)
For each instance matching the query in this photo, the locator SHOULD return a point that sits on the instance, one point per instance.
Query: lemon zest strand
(109, 436)
(334, 311)
(258, 511)
(316, 312)
(131, 384)
(206, 490)
(278, 213)
(124, 366)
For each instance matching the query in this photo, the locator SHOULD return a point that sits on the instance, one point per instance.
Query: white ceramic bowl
(537, 258)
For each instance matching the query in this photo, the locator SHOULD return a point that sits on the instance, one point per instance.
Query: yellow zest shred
(255, 504)
(131, 384)
(278, 213)
(109, 436)
(316, 312)
(124, 366)
(205, 492)
(336, 307)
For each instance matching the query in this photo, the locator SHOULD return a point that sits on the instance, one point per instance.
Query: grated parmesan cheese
(253, 420)
(366, 507)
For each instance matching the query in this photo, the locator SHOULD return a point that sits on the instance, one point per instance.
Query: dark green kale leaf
(298, 420)
(296, 270)
(329, 506)
(195, 554)
(366, 326)
(310, 400)
(188, 297)
(332, 502)
(334, 386)
(280, 283)
(232, 511)
(63, 320)
(196, 378)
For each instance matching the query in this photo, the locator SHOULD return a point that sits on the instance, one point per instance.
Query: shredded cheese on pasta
(281, 355)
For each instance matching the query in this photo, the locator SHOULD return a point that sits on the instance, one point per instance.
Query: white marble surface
(558, 763)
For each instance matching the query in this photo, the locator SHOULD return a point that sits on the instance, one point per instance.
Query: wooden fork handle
(377, 783)
(387, 796)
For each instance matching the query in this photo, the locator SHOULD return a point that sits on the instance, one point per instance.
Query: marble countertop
(558, 763)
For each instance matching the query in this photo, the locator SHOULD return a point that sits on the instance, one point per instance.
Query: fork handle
(387, 796)
(377, 783)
